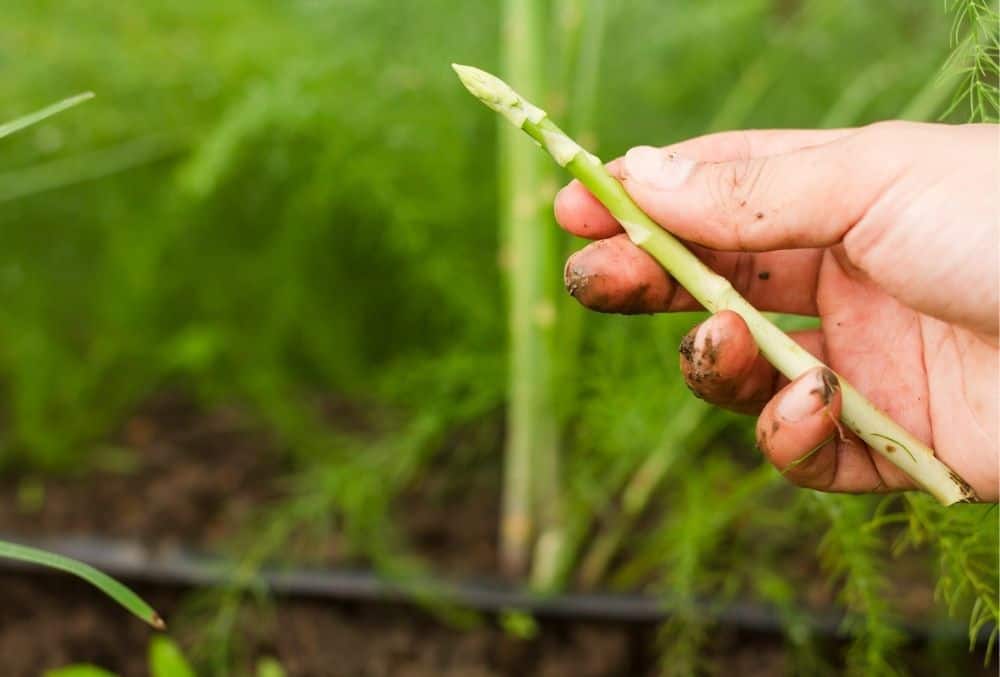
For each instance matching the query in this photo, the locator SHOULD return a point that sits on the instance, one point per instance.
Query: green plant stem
(578, 28)
(531, 453)
(583, 24)
(103, 582)
(715, 292)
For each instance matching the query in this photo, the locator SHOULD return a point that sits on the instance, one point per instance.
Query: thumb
(805, 198)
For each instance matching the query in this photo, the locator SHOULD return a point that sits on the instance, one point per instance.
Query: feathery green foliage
(967, 544)
(975, 37)
(693, 571)
(853, 551)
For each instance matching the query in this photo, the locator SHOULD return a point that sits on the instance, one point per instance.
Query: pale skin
(887, 233)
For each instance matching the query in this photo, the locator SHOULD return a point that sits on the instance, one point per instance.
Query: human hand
(887, 233)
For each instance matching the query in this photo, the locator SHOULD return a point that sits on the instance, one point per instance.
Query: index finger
(580, 213)
(614, 276)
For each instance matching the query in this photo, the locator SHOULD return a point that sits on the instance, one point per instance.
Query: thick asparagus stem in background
(715, 292)
(530, 485)
(576, 27)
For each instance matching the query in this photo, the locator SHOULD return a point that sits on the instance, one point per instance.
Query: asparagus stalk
(577, 27)
(715, 292)
(530, 486)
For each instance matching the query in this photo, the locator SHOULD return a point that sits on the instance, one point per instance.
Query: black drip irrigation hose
(182, 568)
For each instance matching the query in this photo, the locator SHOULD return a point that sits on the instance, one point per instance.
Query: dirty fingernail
(804, 397)
(575, 276)
(707, 338)
(656, 168)
(700, 348)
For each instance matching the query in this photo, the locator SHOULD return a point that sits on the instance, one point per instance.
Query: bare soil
(49, 620)
(199, 477)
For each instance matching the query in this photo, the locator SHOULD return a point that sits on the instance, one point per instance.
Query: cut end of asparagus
(498, 95)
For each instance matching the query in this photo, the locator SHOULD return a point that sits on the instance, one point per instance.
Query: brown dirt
(458, 547)
(198, 477)
(190, 478)
(48, 621)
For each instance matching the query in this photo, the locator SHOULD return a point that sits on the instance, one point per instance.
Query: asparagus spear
(715, 292)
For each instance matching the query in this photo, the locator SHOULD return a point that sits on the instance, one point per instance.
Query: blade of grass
(8, 128)
(103, 582)
(89, 166)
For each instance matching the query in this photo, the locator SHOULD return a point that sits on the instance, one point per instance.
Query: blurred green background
(279, 197)
(274, 204)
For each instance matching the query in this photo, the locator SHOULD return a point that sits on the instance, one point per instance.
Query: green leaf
(269, 667)
(518, 624)
(80, 670)
(20, 123)
(166, 659)
(105, 583)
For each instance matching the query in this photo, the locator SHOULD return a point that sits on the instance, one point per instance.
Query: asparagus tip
(488, 88)
(497, 94)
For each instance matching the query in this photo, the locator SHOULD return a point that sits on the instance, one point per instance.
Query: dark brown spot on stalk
(968, 494)
(763, 275)
(890, 448)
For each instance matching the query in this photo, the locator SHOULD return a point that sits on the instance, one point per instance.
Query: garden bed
(48, 621)
(197, 479)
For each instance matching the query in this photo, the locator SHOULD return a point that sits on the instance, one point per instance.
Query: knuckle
(744, 272)
(886, 134)
(887, 128)
(737, 196)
